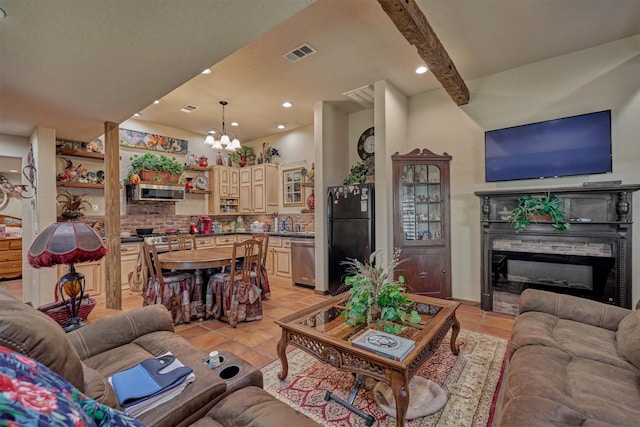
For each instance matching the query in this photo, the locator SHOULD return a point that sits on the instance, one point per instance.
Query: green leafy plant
(247, 152)
(156, 163)
(357, 174)
(375, 296)
(529, 208)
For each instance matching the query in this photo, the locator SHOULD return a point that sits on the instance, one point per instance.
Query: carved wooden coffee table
(321, 331)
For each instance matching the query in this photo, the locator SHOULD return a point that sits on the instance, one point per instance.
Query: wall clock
(366, 144)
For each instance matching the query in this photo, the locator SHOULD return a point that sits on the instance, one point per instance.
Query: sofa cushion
(34, 334)
(575, 338)
(254, 407)
(597, 391)
(628, 338)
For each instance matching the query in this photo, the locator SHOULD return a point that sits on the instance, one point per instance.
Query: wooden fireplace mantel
(598, 214)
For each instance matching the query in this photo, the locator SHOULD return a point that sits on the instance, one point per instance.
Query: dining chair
(182, 242)
(264, 275)
(176, 290)
(237, 294)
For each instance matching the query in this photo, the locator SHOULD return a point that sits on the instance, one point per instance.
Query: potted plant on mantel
(376, 297)
(533, 209)
(155, 168)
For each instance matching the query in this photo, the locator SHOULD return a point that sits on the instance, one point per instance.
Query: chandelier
(222, 140)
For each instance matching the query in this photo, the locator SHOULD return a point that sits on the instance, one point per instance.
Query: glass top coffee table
(321, 331)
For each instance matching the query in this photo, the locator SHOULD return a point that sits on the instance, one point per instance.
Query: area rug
(471, 380)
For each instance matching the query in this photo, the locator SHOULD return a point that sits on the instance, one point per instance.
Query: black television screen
(577, 145)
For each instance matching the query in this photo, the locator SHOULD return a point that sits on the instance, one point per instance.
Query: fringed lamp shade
(66, 243)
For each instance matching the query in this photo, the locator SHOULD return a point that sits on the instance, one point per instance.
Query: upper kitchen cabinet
(224, 181)
(421, 224)
(259, 189)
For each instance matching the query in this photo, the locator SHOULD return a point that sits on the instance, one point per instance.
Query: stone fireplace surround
(601, 241)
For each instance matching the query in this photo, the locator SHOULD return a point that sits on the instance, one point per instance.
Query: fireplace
(591, 260)
(590, 277)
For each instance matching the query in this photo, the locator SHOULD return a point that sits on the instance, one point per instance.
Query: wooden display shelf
(308, 210)
(308, 184)
(79, 185)
(197, 168)
(195, 191)
(79, 153)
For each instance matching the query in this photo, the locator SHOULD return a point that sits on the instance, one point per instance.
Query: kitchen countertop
(293, 234)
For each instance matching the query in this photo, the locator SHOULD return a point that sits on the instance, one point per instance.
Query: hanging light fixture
(222, 140)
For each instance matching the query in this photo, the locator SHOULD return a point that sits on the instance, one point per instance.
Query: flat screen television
(577, 145)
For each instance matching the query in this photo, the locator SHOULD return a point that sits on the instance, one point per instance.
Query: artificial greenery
(357, 174)
(376, 296)
(527, 208)
(155, 162)
(247, 152)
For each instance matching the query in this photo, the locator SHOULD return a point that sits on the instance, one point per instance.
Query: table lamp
(68, 243)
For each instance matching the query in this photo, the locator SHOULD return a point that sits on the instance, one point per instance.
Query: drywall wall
(603, 77)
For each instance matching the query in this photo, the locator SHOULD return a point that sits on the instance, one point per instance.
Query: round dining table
(197, 259)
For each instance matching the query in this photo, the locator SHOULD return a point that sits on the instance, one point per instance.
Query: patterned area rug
(470, 379)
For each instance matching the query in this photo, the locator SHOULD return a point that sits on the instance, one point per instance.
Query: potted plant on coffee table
(375, 296)
(543, 208)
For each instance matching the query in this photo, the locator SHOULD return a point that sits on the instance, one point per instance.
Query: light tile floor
(256, 341)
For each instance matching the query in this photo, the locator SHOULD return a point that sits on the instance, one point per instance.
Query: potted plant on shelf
(544, 208)
(155, 168)
(374, 296)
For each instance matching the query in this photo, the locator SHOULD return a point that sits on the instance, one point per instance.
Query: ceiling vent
(189, 108)
(363, 96)
(300, 52)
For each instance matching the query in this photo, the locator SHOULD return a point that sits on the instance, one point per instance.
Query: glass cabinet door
(421, 202)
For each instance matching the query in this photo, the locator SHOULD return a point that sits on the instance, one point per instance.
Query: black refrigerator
(351, 225)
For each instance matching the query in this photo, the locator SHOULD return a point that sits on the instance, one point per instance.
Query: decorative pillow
(627, 340)
(32, 394)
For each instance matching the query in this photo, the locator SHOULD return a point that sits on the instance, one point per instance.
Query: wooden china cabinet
(421, 221)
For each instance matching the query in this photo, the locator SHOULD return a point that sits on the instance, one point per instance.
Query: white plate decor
(201, 182)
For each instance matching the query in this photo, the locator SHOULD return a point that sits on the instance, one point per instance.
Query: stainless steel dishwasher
(303, 262)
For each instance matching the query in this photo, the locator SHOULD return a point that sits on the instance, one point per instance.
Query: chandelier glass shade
(222, 140)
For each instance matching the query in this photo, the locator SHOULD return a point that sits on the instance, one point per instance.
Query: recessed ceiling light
(206, 71)
(157, 101)
(235, 124)
(421, 70)
(287, 104)
(280, 126)
(137, 115)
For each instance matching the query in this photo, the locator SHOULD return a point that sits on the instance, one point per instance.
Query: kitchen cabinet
(421, 221)
(94, 277)
(282, 259)
(10, 257)
(259, 189)
(205, 242)
(224, 241)
(224, 181)
(129, 254)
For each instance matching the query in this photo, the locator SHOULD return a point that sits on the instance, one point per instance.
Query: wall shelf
(197, 168)
(79, 185)
(79, 153)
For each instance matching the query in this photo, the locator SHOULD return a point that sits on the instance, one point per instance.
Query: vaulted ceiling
(73, 65)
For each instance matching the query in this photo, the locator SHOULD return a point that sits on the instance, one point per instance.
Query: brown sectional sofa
(230, 395)
(572, 362)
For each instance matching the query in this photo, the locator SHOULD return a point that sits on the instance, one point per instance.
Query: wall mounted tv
(577, 145)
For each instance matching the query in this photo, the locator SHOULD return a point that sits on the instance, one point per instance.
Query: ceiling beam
(413, 25)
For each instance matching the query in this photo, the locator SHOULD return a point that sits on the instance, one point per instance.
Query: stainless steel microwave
(155, 193)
